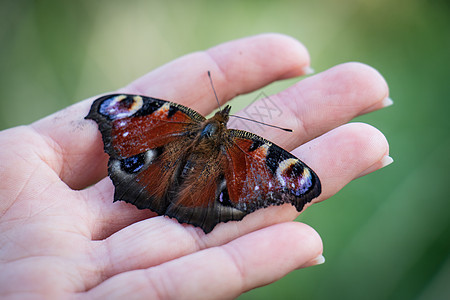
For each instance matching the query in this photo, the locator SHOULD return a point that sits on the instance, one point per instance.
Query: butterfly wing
(144, 138)
(155, 163)
(259, 173)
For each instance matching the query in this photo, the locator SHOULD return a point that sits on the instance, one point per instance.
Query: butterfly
(168, 158)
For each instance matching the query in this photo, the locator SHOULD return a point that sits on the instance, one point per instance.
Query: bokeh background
(387, 235)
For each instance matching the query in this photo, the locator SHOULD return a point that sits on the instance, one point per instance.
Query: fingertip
(305, 244)
(309, 236)
(368, 79)
(365, 143)
(384, 162)
(318, 260)
(294, 53)
(339, 155)
(386, 102)
(277, 55)
(304, 240)
(370, 139)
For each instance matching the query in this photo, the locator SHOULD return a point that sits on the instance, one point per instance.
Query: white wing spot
(150, 155)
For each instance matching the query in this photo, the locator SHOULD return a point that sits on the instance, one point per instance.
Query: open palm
(61, 235)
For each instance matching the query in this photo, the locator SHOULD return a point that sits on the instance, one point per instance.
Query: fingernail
(387, 102)
(320, 259)
(384, 103)
(385, 161)
(308, 70)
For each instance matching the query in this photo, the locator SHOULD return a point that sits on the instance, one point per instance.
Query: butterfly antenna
(239, 117)
(277, 127)
(214, 90)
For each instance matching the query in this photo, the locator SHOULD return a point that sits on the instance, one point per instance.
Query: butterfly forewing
(132, 124)
(144, 137)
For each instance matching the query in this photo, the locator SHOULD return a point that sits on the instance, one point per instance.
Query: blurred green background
(387, 235)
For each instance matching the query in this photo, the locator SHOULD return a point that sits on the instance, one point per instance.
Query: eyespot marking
(121, 106)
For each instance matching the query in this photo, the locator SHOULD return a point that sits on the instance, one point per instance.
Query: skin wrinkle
(98, 258)
(110, 262)
(21, 189)
(160, 285)
(53, 147)
(19, 242)
(83, 216)
(61, 266)
(6, 209)
(39, 209)
(95, 189)
(10, 241)
(236, 259)
(105, 252)
(194, 234)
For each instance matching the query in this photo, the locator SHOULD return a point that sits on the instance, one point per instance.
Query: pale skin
(61, 235)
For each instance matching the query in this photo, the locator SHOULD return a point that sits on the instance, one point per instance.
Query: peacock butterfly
(168, 158)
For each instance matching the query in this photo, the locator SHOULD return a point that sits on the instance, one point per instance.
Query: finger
(22, 152)
(105, 217)
(238, 67)
(337, 157)
(251, 261)
(317, 104)
(341, 155)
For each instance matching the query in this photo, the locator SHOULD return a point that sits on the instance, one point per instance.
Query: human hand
(61, 235)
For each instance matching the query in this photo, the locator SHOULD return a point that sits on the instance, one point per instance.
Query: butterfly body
(170, 159)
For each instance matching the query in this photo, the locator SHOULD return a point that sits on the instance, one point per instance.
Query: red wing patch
(132, 124)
